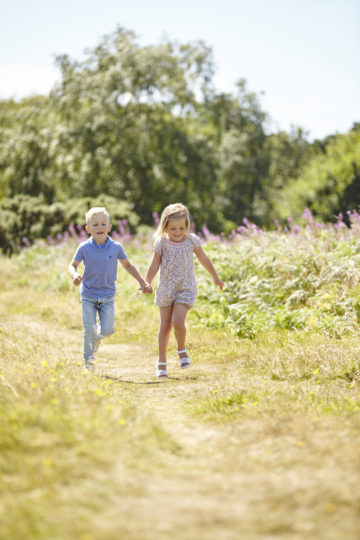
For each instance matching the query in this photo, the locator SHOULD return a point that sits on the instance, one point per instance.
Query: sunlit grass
(260, 435)
(62, 433)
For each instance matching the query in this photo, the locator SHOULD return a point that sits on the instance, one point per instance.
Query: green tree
(239, 127)
(288, 154)
(330, 182)
(144, 124)
(28, 148)
(130, 115)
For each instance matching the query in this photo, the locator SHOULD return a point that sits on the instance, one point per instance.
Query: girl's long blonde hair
(173, 211)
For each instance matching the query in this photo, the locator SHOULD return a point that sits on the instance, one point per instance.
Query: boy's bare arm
(208, 265)
(72, 269)
(134, 272)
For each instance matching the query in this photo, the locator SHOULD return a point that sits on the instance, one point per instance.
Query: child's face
(176, 229)
(98, 227)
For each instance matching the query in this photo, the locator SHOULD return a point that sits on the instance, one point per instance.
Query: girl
(173, 254)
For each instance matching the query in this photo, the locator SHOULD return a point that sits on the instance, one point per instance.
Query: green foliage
(329, 183)
(25, 219)
(145, 124)
(28, 146)
(132, 130)
(288, 154)
(305, 281)
(243, 161)
(142, 124)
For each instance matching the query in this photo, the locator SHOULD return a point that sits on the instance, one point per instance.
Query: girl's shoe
(161, 372)
(185, 360)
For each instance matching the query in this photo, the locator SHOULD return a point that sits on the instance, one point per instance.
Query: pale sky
(303, 54)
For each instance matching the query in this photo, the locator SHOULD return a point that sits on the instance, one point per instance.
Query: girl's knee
(179, 326)
(165, 325)
(165, 329)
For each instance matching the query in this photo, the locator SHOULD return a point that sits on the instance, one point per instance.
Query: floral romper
(177, 282)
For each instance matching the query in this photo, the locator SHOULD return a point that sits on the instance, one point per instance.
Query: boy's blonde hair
(96, 210)
(173, 211)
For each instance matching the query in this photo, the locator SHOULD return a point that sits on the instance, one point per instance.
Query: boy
(100, 255)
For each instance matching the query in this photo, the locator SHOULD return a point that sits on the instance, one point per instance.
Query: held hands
(146, 287)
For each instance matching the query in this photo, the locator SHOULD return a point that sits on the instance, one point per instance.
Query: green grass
(308, 281)
(258, 439)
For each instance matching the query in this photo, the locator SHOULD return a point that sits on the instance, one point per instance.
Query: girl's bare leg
(178, 321)
(164, 331)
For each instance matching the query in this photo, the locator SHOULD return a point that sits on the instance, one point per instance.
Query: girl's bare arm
(153, 268)
(208, 265)
(134, 272)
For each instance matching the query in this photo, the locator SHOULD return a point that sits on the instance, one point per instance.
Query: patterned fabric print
(177, 275)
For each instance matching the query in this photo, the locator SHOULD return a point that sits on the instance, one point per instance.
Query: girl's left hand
(219, 283)
(146, 288)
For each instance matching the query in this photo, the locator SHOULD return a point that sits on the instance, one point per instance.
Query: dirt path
(163, 399)
(222, 481)
(195, 493)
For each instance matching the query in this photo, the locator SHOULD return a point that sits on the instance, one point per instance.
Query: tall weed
(302, 281)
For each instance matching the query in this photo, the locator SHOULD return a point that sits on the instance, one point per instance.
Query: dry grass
(258, 440)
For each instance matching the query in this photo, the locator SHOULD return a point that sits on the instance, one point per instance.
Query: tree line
(146, 125)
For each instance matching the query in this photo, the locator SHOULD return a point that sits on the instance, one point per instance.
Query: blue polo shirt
(100, 267)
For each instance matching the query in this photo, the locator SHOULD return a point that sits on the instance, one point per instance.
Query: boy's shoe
(89, 366)
(97, 344)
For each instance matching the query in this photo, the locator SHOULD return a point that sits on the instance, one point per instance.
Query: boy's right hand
(77, 279)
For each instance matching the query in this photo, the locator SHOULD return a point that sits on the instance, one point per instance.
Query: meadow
(259, 439)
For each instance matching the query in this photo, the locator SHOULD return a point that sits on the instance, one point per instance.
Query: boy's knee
(107, 331)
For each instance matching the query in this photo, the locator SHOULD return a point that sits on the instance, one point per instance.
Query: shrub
(25, 219)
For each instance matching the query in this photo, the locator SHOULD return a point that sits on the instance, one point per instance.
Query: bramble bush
(295, 278)
(25, 219)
